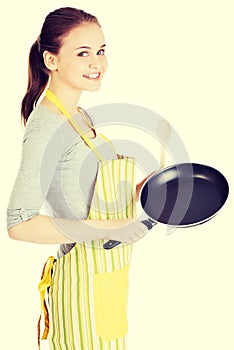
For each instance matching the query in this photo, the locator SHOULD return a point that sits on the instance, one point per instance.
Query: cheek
(105, 64)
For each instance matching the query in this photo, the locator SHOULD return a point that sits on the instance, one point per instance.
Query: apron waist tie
(46, 281)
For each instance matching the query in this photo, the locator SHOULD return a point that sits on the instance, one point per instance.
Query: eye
(101, 52)
(83, 54)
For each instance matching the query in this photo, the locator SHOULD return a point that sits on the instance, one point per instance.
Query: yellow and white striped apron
(89, 285)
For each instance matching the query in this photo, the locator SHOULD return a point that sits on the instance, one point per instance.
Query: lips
(92, 76)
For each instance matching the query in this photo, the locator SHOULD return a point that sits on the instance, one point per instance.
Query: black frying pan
(182, 195)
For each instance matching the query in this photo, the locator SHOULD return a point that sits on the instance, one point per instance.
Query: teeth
(92, 76)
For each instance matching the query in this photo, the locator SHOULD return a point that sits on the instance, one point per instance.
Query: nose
(94, 62)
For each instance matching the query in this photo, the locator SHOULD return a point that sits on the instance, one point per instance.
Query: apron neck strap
(52, 98)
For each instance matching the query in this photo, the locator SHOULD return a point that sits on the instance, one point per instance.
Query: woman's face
(81, 62)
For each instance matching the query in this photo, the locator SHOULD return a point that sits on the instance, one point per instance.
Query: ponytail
(37, 81)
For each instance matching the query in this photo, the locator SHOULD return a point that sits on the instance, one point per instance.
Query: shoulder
(43, 127)
(42, 118)
(43, 124)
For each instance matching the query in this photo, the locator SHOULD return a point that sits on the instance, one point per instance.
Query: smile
(92, 76)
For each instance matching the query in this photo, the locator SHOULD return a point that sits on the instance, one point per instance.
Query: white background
(176, 58)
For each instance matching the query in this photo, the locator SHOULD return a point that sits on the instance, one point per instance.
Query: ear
(50, 60)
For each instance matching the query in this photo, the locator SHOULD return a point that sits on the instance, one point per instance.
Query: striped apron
(89, 285)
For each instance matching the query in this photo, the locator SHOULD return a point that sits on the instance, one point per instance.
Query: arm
(42, 148)
(39, 229)
(46, 230)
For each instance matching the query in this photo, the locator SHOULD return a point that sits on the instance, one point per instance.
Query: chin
(94, 88)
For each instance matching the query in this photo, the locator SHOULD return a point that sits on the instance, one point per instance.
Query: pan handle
(149, 223)
(111, 244)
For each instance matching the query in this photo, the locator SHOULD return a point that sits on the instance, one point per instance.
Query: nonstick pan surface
(184, 195)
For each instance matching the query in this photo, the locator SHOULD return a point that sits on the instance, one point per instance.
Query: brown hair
(56, 25)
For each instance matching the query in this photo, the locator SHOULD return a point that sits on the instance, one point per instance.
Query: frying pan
(182, 195)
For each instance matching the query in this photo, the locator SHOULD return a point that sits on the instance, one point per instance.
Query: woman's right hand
(122, 230)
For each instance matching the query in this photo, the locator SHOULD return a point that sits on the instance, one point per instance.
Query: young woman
(77, 172)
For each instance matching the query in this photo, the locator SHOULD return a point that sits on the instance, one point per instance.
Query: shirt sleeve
(42, 149)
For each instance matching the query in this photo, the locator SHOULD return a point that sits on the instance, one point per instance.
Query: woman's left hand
(140, 184)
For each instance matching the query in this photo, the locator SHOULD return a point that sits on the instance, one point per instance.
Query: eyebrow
(88, 47)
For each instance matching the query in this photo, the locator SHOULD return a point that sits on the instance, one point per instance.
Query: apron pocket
(110, 303)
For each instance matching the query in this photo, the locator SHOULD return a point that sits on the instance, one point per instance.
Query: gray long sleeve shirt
(57, 169)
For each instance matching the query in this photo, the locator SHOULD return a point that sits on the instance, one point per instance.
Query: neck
(68, 96)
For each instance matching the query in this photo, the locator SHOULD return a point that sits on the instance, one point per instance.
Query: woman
(69, 165)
